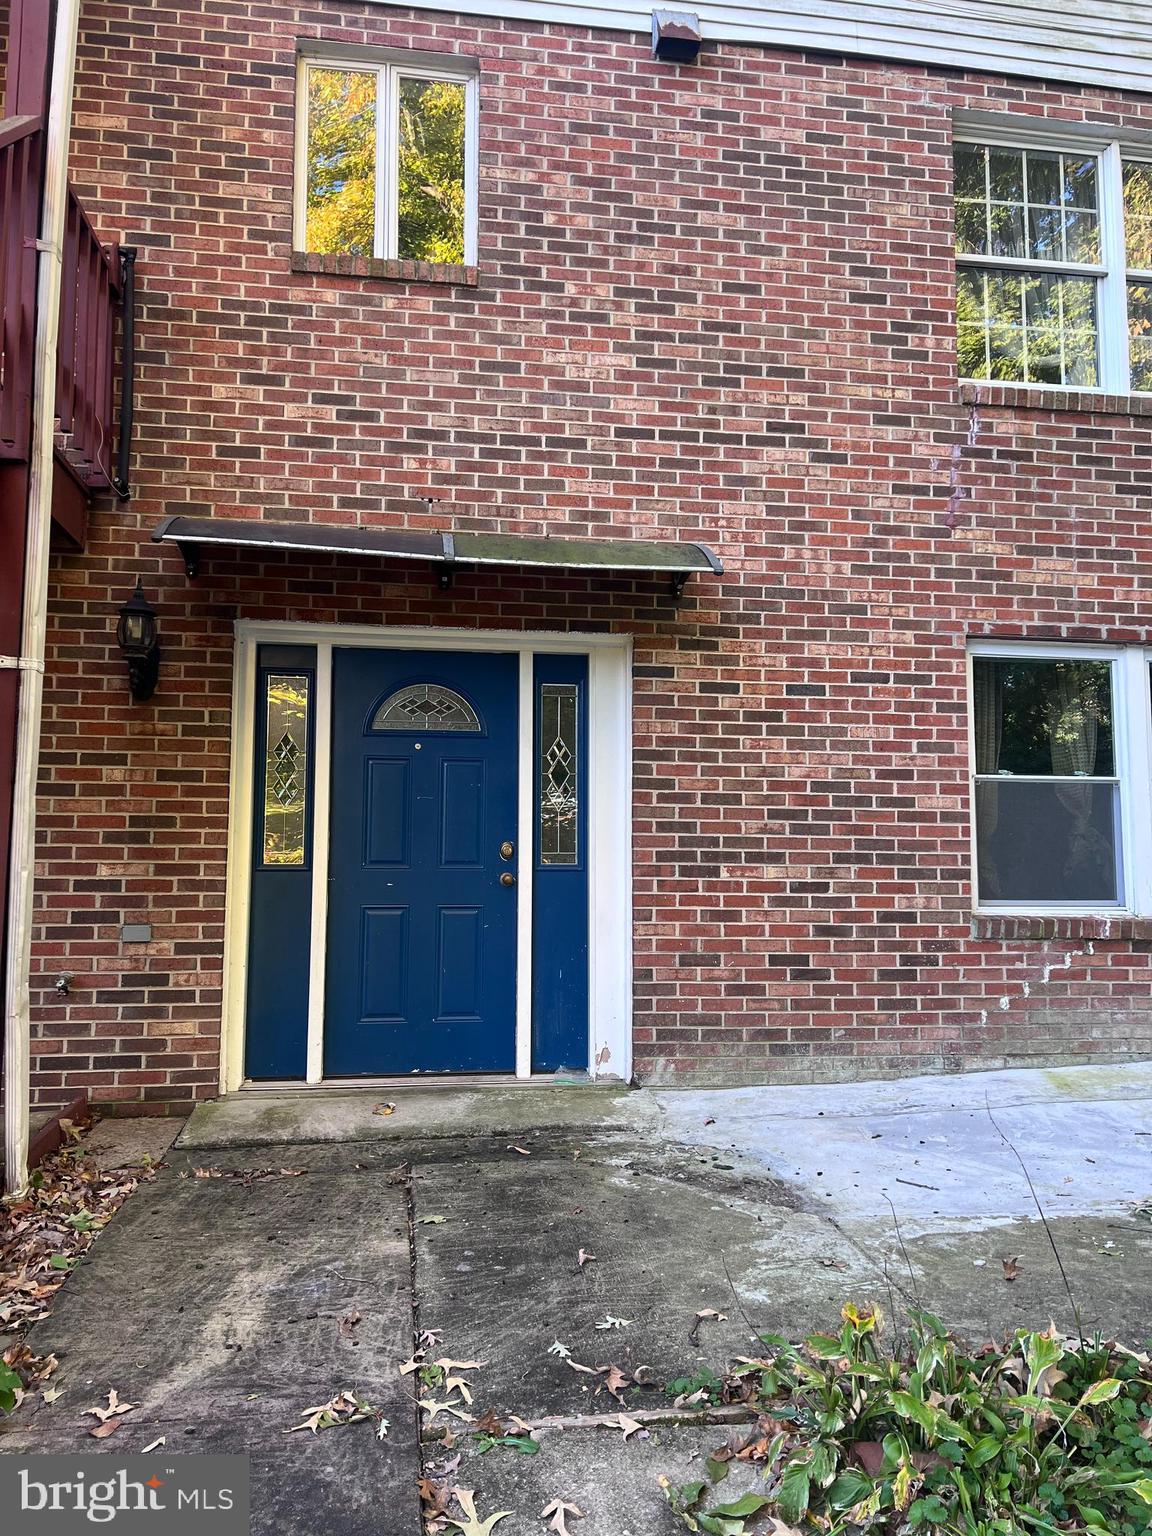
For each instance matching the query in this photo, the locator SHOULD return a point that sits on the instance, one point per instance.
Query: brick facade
(710, 302)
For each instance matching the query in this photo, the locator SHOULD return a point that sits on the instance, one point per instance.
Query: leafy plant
(704, 1380)
(1044, 1437)
(10, 1385)
(525, 1444)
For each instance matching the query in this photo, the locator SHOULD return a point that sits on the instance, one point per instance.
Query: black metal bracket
(190, 554)
(127, 370)
(679, 579)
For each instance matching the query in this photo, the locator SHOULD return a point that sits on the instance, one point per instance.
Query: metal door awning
(447, 551)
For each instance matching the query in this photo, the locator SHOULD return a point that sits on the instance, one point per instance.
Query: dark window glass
(1043, 717)
(1047, 804)
(1043, 843)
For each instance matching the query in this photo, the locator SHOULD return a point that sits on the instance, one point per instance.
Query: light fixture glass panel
(286, 768)
(559, 771)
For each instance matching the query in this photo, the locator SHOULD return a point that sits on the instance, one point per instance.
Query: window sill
(1051, 397)
(457, 274)
(1120, 929)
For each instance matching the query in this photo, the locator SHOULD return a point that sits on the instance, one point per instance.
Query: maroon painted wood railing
(95, 323)
(91, 300)
(21, 149)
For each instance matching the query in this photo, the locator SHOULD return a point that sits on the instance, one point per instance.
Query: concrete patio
(218, 1304)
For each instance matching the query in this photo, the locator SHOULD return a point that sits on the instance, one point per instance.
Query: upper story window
(1054, 256)
(386, 159)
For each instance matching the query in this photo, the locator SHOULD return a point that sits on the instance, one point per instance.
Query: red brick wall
(712, 302)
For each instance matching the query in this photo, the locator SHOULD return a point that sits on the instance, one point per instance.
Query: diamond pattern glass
(425, 707)
(286, 701)
(559, 774)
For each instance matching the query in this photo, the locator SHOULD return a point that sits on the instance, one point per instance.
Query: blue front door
(421, 966)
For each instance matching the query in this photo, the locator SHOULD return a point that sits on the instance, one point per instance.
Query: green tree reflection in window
(431, 211)
(286, 768)
(341, 161)
(380, 140)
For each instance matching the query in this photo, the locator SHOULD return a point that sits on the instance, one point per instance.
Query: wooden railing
(95, 325)
(21, 149)
(91, 299)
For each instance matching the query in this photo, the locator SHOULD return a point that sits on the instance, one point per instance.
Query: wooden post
(28, 72)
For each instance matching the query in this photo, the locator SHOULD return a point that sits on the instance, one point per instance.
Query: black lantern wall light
(137, 638)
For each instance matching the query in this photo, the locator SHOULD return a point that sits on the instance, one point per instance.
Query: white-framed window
(1054, 261)
(1061, 766)
(386, 156)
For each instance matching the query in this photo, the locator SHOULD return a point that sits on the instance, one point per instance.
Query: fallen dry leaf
(1011, 1268)
(154, 1445)
(630, 1426)
(344, 1408)
(52, 1224)
(573, 1365)
(523, 1151)
(555, 1512)
(431, 1221)
(560, 1349)
(109, 1427)
(115, 1406)
(349, 1324)
(707, 1314)
(384, 1109)
(247, 1175)
(583, 1257)
(614, 1380)
(614, 1322)
(474, 1526)
(432, 1408)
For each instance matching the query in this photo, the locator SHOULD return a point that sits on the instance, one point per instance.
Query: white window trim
(1114, 366)
(1132, 744)
(390, 67)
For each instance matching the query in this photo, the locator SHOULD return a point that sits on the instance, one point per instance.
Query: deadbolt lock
(507, 850)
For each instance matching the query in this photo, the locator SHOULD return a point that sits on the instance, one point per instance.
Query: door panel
(461, 813)
(460, 962)
(421, 972)
(384, 962)
(386, 811)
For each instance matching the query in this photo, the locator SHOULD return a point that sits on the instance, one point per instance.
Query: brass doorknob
(507, 878)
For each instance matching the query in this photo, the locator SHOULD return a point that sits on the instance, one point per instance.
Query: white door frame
(609, 827)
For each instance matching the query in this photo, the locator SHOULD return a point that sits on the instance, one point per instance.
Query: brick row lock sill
(1121, 929)
(340, 265)
(1051, 397)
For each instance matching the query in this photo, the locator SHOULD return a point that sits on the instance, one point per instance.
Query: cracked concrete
(217, 1305)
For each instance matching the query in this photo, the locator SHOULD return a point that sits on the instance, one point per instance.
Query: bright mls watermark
(157, 1495)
